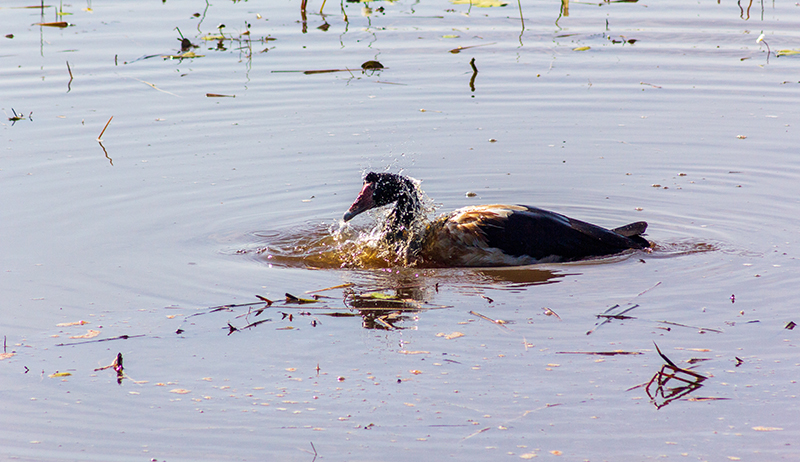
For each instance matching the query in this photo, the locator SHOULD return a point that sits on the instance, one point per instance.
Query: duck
(485, 235)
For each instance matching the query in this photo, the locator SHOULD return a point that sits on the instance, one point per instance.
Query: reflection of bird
(486, 235)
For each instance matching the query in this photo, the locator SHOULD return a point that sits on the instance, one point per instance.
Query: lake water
(668, 112)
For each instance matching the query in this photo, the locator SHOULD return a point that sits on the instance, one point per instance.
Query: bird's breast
(459, 238)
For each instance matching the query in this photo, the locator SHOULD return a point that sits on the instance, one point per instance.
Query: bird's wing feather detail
(514, 235)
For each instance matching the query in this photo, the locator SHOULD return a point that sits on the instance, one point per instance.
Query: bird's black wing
(542, 234)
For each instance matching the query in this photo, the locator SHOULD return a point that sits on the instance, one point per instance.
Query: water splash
(324, 246)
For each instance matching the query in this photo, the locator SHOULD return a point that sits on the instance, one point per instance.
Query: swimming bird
(486, 235)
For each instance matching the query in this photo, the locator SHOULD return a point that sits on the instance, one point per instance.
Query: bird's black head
(382, 189)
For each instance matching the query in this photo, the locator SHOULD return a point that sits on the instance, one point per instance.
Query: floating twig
(599, 353)
(319, 71)
(498, 322)
(121, 337)
(460, 49)
(549, 312)
(340, 286)
(100, 136)
(474, 74)
(153, 85)
(761, 39)
(69, 84)
(110, 160)
(476, 433)
(609, 317)
(671, 372)
(264, 299)
(702, 329)
(664, 376)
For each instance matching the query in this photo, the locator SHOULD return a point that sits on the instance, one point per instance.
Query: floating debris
(498, 322)
(120, 337)
(607, 316)
(59, 374)
(370, 65)
(599, 353)
(59, 24)
(549, 312)
(89, 334)
(480, 3)
(296, 300)
(117, 366)
(687, 382)
(100, 136)
(185, 55)
(451, 335)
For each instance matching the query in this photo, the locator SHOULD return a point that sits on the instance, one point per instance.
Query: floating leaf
(213, 37)
(6, 355)
(450, 36)
(582, 48)
(767, 429)
(180, 391)
(787, 52)
(60, 374)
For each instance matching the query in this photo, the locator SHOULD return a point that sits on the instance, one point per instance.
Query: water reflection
(671, 383)
(384, 298)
